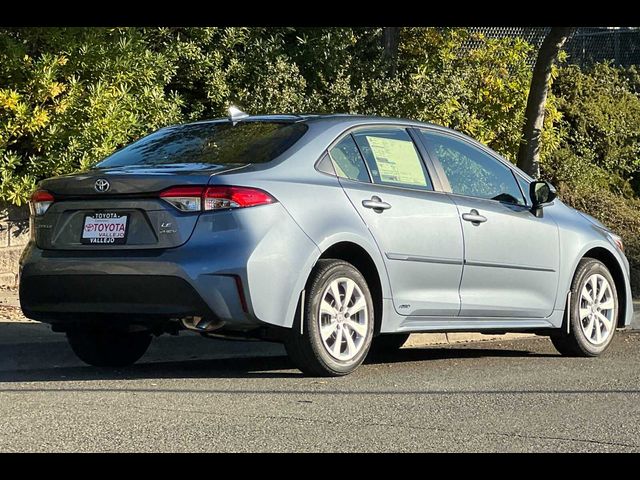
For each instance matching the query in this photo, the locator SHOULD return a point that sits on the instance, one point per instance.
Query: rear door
(417, 230)
(511, 257)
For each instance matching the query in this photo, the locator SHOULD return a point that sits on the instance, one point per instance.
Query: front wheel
(337, 321)
(108, 348)
(593, 312)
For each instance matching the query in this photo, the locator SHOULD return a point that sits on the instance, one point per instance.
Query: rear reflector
(41, 200)
(219, 197)
(239, 287)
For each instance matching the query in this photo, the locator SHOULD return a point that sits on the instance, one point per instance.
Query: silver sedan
(334, 234)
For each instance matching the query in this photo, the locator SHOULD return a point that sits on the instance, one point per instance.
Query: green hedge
(69, 97)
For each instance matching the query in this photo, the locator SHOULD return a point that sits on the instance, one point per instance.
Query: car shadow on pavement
(267, 367)
(461, 351)
(32, 353)
(253, 367)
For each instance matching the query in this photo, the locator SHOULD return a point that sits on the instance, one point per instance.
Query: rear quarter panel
(318, 205)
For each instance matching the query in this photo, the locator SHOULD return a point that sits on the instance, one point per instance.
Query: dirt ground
(10, 306)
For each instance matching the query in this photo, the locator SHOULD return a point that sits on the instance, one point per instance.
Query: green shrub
(71, 96)
(481, 92)
(601, 121)
(66, 104)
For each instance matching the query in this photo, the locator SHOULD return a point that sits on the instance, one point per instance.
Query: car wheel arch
(360, 258)
(341, 245)
(604, 253)
(613, 265)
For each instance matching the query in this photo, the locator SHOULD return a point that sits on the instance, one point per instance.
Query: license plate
(104, 229)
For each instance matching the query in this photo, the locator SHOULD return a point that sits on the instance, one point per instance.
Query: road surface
(191, 394)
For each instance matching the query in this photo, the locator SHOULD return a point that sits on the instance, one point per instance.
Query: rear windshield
(216, 143)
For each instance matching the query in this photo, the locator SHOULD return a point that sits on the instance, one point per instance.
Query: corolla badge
(102, 185)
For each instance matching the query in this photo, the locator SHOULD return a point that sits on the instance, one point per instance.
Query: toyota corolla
(333, 234)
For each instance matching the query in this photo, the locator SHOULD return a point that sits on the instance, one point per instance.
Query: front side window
(472, 172)
(392, 157)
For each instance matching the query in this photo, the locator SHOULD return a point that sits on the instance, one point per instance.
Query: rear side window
(392, 157)
(212, 142)
(347, 160)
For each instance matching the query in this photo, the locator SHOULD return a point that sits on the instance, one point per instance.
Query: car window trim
(443, 181)
(396, 187)
(438, 185)
(470, 197)
(525, 195)
(333, 161)
(482, 148)
(429, 164)
(434, 180)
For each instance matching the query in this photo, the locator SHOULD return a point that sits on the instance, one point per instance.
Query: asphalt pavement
(190, 394)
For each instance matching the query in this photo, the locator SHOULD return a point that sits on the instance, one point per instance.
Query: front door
(511, 257)
(417, 230)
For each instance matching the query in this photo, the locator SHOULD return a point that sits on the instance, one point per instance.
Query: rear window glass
(215, 143)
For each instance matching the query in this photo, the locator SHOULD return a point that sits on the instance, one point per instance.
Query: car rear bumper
(43, 297)
(56, 287)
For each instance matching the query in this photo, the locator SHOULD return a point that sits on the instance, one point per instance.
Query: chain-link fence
(588, 45)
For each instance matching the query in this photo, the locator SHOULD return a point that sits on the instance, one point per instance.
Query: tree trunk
(390, 52)
(529, 151)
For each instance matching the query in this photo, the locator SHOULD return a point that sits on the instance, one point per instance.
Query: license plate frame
(109, 236)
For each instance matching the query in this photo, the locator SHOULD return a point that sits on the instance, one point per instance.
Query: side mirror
(542, 193)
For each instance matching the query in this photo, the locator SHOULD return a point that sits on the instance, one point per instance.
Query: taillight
(41, 200)
(186, 199)
(221, 197)
(218, 197)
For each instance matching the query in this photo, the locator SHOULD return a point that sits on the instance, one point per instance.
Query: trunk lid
(132, 192)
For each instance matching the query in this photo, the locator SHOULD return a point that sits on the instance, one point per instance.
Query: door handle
(474, 217)
(376, 204)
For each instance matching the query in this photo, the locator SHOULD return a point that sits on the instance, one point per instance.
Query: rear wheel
(593, 312)
(337, 321)
(108, 348)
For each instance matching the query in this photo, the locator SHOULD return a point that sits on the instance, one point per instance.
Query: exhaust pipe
(201, 325)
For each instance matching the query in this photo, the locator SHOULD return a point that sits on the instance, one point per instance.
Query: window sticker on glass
(397, 161)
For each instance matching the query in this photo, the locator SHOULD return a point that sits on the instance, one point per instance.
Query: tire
(388, 343)
(325, 357)
(108, 348)
(589, 334)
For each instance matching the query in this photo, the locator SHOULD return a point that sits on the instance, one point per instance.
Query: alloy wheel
(597, 309)
(343, 319)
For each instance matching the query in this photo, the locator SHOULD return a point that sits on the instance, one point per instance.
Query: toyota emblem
(102, 185)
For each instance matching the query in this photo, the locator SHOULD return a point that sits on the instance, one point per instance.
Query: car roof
(347, 121)
(334, 119)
